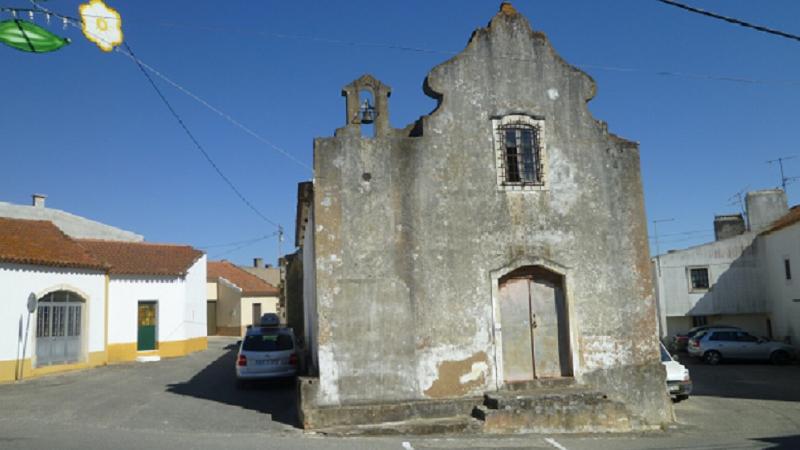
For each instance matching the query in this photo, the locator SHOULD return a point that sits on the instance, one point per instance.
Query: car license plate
(266, 362)
(674, 388)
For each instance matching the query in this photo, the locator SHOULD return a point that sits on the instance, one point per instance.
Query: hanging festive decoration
(101, 24)
(29, 37)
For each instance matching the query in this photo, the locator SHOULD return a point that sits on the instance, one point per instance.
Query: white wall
(126, 291)
(181, 305)
(194, 312)
(735, 277)
(784, 295)
(18, 281)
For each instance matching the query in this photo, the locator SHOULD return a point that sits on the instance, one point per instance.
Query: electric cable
(197, 143)
(732, 20)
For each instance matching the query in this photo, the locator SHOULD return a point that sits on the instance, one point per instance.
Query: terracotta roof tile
(250, 284)
(40, 242)
(143, 258)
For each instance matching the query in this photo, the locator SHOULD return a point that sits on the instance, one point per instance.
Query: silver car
(266, 353)
(715, 344)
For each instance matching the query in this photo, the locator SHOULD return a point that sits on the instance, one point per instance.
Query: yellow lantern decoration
(101, 24)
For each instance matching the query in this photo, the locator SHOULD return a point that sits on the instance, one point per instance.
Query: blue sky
(85, 128)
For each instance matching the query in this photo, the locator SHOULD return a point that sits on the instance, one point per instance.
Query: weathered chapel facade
(497, 244)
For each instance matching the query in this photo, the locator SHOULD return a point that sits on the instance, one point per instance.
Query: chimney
(38, 200)
(765, 207)
(728, 226)
(258, 263)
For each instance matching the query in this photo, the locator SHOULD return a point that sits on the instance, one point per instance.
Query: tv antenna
(784, 179)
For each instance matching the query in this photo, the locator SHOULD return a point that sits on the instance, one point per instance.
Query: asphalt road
(192, 402)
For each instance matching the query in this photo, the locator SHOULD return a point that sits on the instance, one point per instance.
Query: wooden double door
(534, 324)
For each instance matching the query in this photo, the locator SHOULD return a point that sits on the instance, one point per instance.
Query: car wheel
(712, 357)
(779, 357)
(680, 398)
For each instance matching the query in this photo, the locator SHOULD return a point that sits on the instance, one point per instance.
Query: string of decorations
(100, 24)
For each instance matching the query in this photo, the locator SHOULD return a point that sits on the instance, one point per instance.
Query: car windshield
(665, 354)
(267, 342)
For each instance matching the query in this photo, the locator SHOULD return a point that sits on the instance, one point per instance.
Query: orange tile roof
(40, 242)
(143, 258)
(250, 284)
(790, 218)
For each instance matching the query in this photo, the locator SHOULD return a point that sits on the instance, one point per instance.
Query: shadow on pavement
(742, 379)
(782, 443)
(217, 382)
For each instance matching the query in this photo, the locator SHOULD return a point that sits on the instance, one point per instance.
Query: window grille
(699, 278)
(520, 156)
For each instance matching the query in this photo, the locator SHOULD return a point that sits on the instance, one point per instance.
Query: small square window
(698, 279)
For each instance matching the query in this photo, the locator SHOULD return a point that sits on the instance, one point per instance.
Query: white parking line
(555, 444)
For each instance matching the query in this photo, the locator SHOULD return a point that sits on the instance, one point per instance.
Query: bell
(367, 113)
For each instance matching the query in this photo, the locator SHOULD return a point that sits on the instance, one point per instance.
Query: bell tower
(359, 112)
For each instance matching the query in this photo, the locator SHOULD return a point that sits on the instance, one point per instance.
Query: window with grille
(698, 279)
(519, 146)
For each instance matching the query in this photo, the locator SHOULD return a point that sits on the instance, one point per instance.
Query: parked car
(681, 341)
(679, 384)
(266, 353)
(715, 344)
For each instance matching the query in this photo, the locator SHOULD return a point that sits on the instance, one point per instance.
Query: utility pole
(280, 242)
(655, 232)
(784, 178)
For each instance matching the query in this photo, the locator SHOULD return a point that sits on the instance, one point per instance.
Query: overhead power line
(732, 20)
(179, 119)
(197, 143)
(76, 22)
(421, 50)
(247, 244)
(245, 241)
(405, 48)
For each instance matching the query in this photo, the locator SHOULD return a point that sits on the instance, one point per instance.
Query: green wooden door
(146, 339)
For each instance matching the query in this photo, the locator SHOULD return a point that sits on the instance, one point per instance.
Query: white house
(158, 299)
(781, 261)
(93, 302)
(740, 278)
(66, 328)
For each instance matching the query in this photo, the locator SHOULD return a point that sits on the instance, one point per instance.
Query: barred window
(698, 279)
(520, 152)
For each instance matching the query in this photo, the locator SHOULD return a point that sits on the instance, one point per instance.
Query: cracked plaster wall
(404, 255)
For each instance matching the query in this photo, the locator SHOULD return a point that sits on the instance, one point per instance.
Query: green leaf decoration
(29, 37)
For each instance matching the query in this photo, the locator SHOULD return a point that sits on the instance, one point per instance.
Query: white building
(93, 302)
(781, 262)
(158, 299)
(66, 329)
(740, 278)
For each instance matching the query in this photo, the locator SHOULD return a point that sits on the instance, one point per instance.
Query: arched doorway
(59, 328)
(535, 328)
